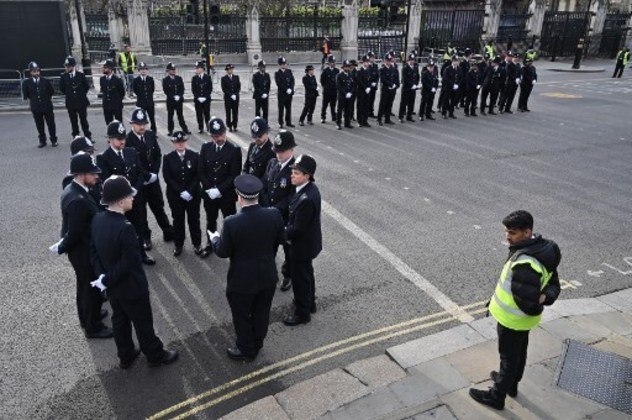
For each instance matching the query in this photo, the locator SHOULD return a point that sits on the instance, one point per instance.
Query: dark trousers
(345, 107)
(285, 107)
(427, 99)
(308, 108)
(512, 347)
(49, 117)
(471, 98)
(76, 115)
(112, 114)
(177, 108)
(261, 108)
(523, 99)
(507, 99)
(152, 194)
(137, 312)
(304, 286)
(618, 70)
(450, 99)
(363, 108)
(387, 97)
(232, 110)
(329, 101)
(461, 95)
(485, 91)
(372, 101)
(137, 216)
(251, 317)
(151, 114)
(407, 103)
(203, 113)
(89, 299)
(190, 209)
(212, 208)
(493, 98)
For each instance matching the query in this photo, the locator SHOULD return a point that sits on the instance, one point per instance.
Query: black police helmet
(116, 130)
(179, 137)
(284, 140)
(305, 164)
(82, 163)
(70, 61)
(139, 116)
(216, 126)
(258, 127)
(116, 188)
(81, 144)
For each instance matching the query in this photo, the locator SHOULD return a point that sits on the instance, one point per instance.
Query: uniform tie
(120, 153)
(142, 138)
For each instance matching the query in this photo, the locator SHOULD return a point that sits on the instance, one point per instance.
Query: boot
(513, 391)
(489, 398)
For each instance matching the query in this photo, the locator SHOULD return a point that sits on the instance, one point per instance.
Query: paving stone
(609, 414)
(617, 322)
(314, 397)
(442, 373)
(568, 307)
(621, 300)
(617, 344)
(377, 404)
(485, 327)
(439, 413)
(264, 409)
(416, 389)
(564, 328)
(550, 314)
(476, 362)
(542, 345)
(436, 345)
(376, 372)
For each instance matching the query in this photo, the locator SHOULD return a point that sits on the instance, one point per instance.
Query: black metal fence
(381, 36)
(298, 32)
(512, 28)
(97, 31)
(614, 34)
(462, 28)
(561, 32)
(172, 35)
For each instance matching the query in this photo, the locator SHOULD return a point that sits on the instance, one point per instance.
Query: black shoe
(230, 129)
(338, 127)
(294, 320)
(348, 125)
(290, 125)
(39, 146)
(401, 120)
(186, 131)
(235, 354)
(198, 250)
(322, 121)
(507, 111)
(177, 251)
(411, 119)
(467, 114)
(126, 364)
(234, 128)
(527, 110)
(392, 114)
(286, 284)
(147, 260)
(453, 116)
(301, 123)
(473, 114)
(168, 357)
(105, 332)
(170, 134)
(430, 117)
(380, 123)
(53, 143)
(103, 314)
(310, 122)
(367, 125)
(445, 117)
(206, 252)
(487, 398)
(201, 131)
(513, 391)
(147, 245)
(492, 113)
(372, 115)
(167, 234)
(280, 126)
(483, 113)
(520, 109)
(389, 122)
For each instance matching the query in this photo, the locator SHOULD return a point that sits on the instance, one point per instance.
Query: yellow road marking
(561, 95)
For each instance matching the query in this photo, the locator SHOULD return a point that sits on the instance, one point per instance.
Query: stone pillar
(628, 41)
(116, 26)
(537, 8)
(253, 45)
(598, 10)
(491, 21)
(74, 25)
(138, 24)
(350, 18)
(414, 26)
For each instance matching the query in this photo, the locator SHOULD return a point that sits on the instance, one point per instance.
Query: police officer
(260, 150)
(514, 76)
(472, 87)
(144, 87)
(450, 88)
(346, 93)
(39, 92)
(499, 76)
(261, 86)
(124, 161)
(375, 79)
(330, 92)
(486, 78)
(363, 90)
(528, 282)
(490, 50)
(113, 93)
(74, 85)
(173, 87)
(231, 86)
(303, 232)
(622, 58)
(250, 239)
(464, 68)
(278, 188)
(150, 157)
(202, 87)
(285, 83)
(528, 80)
(180, 172)
(116, 257)
(220, 163)
(429, 83)
(127, 62)
(77, 209)
(311, 93)
(410, 85)
(389, 77)
(84, 145)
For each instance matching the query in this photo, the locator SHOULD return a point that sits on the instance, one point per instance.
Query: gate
(97, 31)
(614, 34)
(561, 32)
(381, 34)
(512, 28)
(461, 28)
(299, 32)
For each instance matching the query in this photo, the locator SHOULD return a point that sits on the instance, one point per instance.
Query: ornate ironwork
(462, 28)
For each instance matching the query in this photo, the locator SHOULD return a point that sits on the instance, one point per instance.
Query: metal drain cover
(595, 374)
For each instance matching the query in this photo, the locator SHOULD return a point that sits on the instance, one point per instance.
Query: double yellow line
(205, 400)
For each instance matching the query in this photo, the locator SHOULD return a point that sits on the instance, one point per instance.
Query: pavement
(429, 377)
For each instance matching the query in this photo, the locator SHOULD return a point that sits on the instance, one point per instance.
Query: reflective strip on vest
(503, 306)
(490, 51)
(123, 61)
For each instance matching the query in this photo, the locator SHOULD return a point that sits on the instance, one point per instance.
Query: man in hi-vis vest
(528, 281)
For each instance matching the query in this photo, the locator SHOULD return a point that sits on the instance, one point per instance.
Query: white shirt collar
(81, 185)
(116, 151)
(283, 165)
(300, 187)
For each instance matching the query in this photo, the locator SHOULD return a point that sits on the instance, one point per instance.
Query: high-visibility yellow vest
(447, 55)
(626, 56)
(530, 55)
(503, 307)
(124, 64)
(489, 50)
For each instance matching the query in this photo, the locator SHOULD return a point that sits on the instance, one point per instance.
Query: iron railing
(298, 32)
(461, 28)
(512, 28)
(561, 32)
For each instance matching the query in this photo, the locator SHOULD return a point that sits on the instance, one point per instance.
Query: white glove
(534, 82)
(455, 87)
(289, 91)
(373, 84)
(367, 90)
(233, 97)
(99, 283)
(177, 98)
(517, 80)
(394, 86)
(201, 100)
(264, 96)
(414, 87)
(213, 193)
(433, 90)
(347, 95)
(212, 235)
(186, 196)
(54, 248)
(478, 87)
(152, 178)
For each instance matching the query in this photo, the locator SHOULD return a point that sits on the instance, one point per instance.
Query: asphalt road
(411, 224)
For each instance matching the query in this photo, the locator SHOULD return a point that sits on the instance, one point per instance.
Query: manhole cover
(598, 375)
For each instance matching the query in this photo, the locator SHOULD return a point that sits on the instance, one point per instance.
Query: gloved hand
(233, 97)
(186, 196)
(367, 90)
(99, 283)
(201, 99)
(177, 98)
(212, 235)
(455, 87)
(152, 178)
(213, 193)
(348, 95)
(414, 87)
(534, 82)
(373, 84)
(288, 91)
(264, 96)
(54, 248)
(394, 86)
(478, 87)
(433, 90)
(517, 80)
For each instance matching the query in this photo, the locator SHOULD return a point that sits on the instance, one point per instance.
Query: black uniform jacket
(303, 228)
(113, 92)
(284, 80)
(345, 84)
(129, 167)
(311, 86)
(328, 80)
(363, 80)
(181, 175)
(75, 89)
(250, 239)
(256, 163)
(219, 169)
(529, 75)
(149, 153)
(410, 77)
(173, 87)
(39, 94)
(144, 91)
(115, 252)
(230, 86)
(261, 84)
(202, 87)
(451, 76)
(389, 76)
(277, 187)
(428, 81)
(77, 210)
